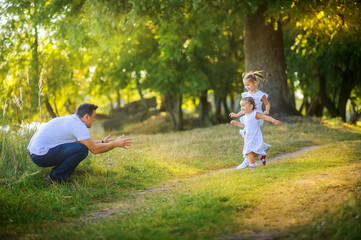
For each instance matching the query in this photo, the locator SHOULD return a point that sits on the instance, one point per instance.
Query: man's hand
(123, 142)
(98, 147)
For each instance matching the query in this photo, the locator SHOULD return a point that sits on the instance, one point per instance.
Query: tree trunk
(55, 107)
(348, 83)
(49, 108)
(118, 99)
(204, 119)
(170, 104)
(315, 108)
(163, 105)
(307, 103)
(70, 106)
(325, 99)
(355, 117)
(111, 102)
(232, 102)
(264, 50)
(218, 113)
(225, 106)
(169, 110)
(179, 113)
(144, 102)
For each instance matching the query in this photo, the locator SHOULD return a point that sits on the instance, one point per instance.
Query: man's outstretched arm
(99, 147)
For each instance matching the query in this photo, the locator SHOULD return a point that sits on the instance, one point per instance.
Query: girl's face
(250, 85)
(246, 106)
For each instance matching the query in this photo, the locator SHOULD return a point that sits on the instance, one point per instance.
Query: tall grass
(25, 199)
(15, 165)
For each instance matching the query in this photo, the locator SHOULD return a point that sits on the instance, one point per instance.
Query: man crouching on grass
(63, 142)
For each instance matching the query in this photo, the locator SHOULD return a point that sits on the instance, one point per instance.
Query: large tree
(264, 50)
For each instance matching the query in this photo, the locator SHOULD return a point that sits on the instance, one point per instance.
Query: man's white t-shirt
(60, 130)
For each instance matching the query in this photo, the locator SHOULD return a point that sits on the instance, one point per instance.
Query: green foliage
(37, 66)
(60, 53)
(324, 44)
(192, 59)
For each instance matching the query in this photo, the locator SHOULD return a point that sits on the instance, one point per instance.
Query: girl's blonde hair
(254, 76)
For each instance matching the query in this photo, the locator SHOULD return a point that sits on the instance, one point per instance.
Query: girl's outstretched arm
(267, 104)
(236, 123)
(267, 118)
(240, 113)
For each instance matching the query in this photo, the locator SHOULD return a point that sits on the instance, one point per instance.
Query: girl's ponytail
(255, 76)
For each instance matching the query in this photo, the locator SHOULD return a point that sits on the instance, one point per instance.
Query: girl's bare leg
(251, 157)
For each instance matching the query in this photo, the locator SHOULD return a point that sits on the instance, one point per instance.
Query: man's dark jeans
(65, 158)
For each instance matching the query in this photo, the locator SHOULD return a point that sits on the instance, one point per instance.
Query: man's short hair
(85, 108)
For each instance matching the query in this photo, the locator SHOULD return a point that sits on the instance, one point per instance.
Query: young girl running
(250, 81)
(253, 139)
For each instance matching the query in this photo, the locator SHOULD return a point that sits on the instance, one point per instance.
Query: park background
(156, 68)
(190, 55)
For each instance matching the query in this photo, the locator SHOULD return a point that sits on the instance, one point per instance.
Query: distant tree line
(56, 54)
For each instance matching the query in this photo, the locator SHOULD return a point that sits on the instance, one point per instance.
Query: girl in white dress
(253, 139)
(250, 81)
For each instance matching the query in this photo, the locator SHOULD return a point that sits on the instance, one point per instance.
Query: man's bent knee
(83, 149)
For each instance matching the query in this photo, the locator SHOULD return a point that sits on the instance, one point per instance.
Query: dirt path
(115, 208)
(282, 156)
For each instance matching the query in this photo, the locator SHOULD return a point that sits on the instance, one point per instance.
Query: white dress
(257, 96)
(253, 140)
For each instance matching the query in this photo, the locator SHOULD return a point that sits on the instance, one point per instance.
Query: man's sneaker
(52, 170)
(51, 179)
(244, 164)
(263, 159)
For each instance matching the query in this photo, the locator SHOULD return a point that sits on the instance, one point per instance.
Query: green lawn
(293, 196)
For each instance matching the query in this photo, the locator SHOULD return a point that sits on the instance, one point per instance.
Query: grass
(342, 224)
(194, 205)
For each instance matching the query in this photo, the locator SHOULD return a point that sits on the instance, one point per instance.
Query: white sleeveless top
(257, 96)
